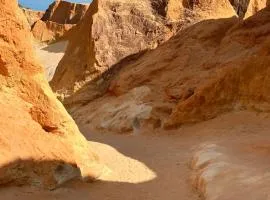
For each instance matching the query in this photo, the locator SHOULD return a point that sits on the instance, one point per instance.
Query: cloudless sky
(43, 4)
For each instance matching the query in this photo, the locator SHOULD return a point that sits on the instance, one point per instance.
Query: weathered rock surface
(210, 68)
(58, 19)
(114, 30)
(218, 174)
(247, 8)
(49, 31)
(64, 12)
(255, 6)
(40, 143)
(197, 10)
(32, 16)
(110, 31)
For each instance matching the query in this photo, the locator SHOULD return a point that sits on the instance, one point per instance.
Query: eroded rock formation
(210, 68)
(64, 12)
(255, 6)
(219, 174)
(198, 9)
(32, 16)
(58, 19)
(114, 30)
(40, 143)
(49, 31)
(110, 31)
(247, 8)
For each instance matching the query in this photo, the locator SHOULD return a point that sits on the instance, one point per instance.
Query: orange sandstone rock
(58, 19)
(212, 67)
(40, 143)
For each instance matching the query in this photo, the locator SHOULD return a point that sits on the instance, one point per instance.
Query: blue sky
(43, 4)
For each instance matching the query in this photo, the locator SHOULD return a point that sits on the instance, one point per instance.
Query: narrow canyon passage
(156, 100)
(156, 166)
(142, 167)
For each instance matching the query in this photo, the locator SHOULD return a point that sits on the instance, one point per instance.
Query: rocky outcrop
(255, 6)
(212, 67)
(110, 31)
(58, 19)
(247, 8)
(32, 16)
(40, 143)
(229, 81)
(50, 31)
(64, 12)
(114, 30)
(198, 9)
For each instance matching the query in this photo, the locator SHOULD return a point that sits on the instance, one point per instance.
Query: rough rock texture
(63, 12)
(49, 31)
(240, 7)
(198, 9)
(219, 175)
(114, 30)
(210, 68)
(247, 8)
(255, 6)
(58, 19)
(110, 31)
(32, 16)
(40, 143)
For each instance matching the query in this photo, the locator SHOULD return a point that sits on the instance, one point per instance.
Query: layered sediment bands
(40, 143)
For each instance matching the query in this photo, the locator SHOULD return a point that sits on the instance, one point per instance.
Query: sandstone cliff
(197, 10)
(212, 67)
(64, 12)
(110, 31)
(32, 16)
(254, 6)
(247, 8)
(114, 30)
(40, 143)
(49, 31)
(58, 19)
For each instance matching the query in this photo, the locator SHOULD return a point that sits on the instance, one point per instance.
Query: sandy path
(143, 167)
(155, 166)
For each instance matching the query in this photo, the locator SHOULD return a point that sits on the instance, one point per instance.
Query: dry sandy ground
(50, 55)
(154, 166)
